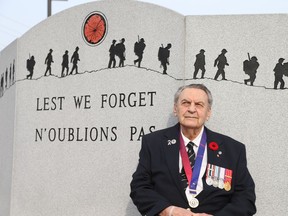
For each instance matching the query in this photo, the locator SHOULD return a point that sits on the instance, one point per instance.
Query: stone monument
(79, 90)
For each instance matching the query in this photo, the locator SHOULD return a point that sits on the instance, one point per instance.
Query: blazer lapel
(213, 155)
(212, 158)
(171, 145)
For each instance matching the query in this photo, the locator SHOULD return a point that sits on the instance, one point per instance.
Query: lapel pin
(219, 153)
(171, 142)
(213, 146)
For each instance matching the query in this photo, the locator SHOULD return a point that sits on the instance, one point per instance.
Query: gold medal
(227, 186)
(228, 179)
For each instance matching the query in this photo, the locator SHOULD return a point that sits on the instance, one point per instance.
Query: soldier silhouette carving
(139, 47)
(279, 71)
(199, 64)
(250, 67)
(120, 52)
(74, 59)
(221, 62)
(48, 62)
(112, 51)
(30, 66)
(65, 64)
(163, 56)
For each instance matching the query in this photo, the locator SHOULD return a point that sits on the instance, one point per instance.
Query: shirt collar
(196, 141)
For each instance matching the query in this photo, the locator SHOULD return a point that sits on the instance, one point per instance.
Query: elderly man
(189, 170)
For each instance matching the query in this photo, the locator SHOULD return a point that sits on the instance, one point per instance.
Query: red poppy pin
(213, 146)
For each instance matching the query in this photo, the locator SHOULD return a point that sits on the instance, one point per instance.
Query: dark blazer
(156, 183)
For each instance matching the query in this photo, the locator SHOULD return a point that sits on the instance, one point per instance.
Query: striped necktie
(191, 155)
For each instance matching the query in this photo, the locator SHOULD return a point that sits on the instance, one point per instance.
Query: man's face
(192, 108)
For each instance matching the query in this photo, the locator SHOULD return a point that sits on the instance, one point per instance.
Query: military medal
(227, 186)
(215, 177)
(193, 202)
(215, 182)
(227, 179)
(209, 179)
(221, 178)
(221, 184)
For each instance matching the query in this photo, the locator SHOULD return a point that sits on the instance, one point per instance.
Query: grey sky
(18, 16)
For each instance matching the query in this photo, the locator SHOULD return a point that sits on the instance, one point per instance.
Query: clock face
(94, 28)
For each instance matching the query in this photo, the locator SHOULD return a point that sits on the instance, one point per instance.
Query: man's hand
(177, 211)
(201, 214)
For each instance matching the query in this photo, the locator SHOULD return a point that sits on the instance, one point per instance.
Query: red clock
(94, 28)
